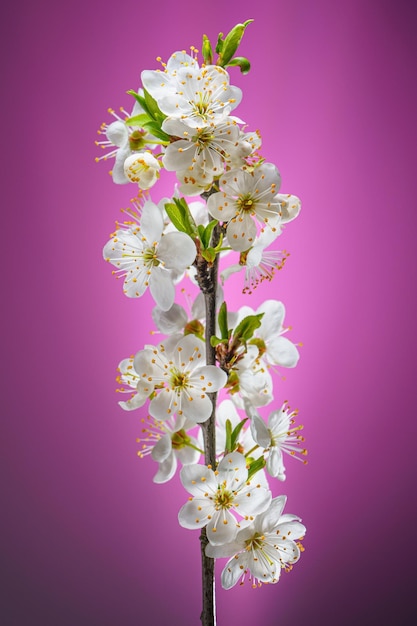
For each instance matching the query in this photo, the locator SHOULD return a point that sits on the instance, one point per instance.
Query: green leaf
(140, 99)
(223, 321)
(205, 239)
(241, 62)
(155, 129)
(152, 107)
(255, 466)
(245, 329)
(228, 436)
(176, 216)
(231, 43)
(215, 341)
(200, 230)
(236, 432)
(206, 51)
(138, 120)
(187, 216)
(219, 44)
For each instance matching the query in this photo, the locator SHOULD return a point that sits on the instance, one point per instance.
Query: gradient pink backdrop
(87, 539)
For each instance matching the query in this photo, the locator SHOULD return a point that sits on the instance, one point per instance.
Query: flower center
(245, 204)
(223, 498)
(203, 138)
(201, 105)
(256, 542)
(178, 380)
(150, 258)
(180, 439)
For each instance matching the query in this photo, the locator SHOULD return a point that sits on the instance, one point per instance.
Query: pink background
(87, 537)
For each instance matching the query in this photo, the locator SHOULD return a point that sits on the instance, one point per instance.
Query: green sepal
(241, 62)
(228, 447)
(196, 328)
(235, 434)
(231, 43)
(209, 255)
(224, 331)
(255, 466)
(245, 329)
(206, 51)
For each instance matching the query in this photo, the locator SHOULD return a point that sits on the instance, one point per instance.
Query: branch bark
(207, 276)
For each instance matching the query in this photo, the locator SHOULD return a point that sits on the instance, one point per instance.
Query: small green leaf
(141, 100)
(152, 106)
(215, 341)
(245, 329)
(200, 230)
(138, 120)
(240, 62)
(228, 436)
(155, 129)
(219, 44)
(255, 466)
(236, 433)
(206, 51)
(205, 239)
(223, 321)
(176, 216)
(231, 43)
(187, 216)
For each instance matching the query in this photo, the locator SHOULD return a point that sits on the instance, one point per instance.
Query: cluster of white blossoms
(183, 121)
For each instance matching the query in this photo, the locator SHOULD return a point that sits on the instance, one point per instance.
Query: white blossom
(190, 93)
(200, 153)
(142, 168)
(176, 374)
(262, 549)
(219, 495)
(169, 442)
(258, 263)
(143, 256)
(123, 140)
(247, 198)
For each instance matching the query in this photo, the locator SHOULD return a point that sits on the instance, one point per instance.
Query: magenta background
(86, 537)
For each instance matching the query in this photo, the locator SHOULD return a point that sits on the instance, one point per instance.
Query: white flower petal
(162, 406)
(151, 222)
(269, 520)
(198, 479)
(177, 251)
(253, 500)
(233, 570)
(171, 321)
(241, 232)
(162, 288)
(274, 464)
(281, 351)
(197, 407)
(166, 470)
(222, 528)
(194, 514)
(162, 449)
